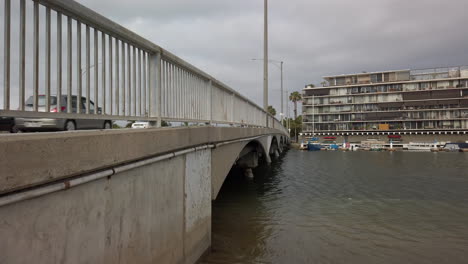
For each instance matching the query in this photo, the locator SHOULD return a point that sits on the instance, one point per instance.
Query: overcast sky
(313, 38)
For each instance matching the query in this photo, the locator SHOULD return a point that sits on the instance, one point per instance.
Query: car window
(41, 100)
(74, 102)
(83, 103)
(63, 101)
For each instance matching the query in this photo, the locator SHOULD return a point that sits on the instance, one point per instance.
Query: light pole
(288, 116)
(265, 58)
(287, 111)
(281, 69)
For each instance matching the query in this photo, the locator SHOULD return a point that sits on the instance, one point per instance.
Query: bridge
(123, 195)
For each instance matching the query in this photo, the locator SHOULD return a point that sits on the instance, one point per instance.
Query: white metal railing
(77, 53)
(438, 73)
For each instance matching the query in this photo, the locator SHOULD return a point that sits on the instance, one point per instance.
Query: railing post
(155, 87)
(210, 92)
(47, 61)
(59, 62)
(6, 52)
(36, 57)
(22, 55)
(232, 107)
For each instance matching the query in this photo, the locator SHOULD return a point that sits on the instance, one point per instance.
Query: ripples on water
(345, 207)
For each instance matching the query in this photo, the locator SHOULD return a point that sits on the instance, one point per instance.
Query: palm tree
(271, 110)
(295, 97)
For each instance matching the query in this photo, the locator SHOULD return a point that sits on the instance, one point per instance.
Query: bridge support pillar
(248, 173)
(248, 162)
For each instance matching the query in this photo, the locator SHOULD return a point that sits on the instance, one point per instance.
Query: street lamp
(265, 58)
(280, 66)
(287, 114)
(288, 111)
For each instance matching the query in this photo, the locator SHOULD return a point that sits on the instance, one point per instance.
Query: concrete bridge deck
(123, 196)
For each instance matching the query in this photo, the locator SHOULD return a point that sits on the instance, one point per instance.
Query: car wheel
(107, 125)
(15, 129)
(70, 125)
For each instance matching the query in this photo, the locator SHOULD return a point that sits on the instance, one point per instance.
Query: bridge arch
(254, 146)
(245, 153)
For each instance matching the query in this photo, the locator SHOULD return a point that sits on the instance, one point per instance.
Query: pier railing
(62, 49)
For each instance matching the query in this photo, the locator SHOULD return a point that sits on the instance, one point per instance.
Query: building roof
(362, 73)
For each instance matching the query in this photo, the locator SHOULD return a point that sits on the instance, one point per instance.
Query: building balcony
(357, 120)
(327, 93)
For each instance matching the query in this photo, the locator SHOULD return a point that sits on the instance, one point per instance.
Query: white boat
(354, 147)
(421, 146)
(452, 147)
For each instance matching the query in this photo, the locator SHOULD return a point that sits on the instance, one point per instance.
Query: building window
(376, 78)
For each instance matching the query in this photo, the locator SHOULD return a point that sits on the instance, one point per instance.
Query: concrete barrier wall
(197, 238)
(33, 159)
(160, 213)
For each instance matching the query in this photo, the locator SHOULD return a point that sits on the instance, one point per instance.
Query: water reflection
(246, 218)
(337, 207)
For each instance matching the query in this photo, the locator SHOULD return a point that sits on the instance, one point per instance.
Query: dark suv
(7, 124)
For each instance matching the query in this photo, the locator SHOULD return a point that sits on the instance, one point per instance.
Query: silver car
(65, 124)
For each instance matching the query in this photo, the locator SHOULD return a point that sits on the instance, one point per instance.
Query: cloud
(313, 38)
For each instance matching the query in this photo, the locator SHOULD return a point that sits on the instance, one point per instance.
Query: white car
(140, 124)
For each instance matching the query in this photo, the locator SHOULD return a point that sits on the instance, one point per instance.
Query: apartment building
(429, 101)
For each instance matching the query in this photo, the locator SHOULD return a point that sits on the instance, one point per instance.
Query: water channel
(345, 207)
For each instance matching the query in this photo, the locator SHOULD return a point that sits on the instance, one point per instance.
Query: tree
(129, 124)
(271, 110)
(295, 97)
(294, 124)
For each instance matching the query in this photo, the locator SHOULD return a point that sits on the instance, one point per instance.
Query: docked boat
(354, 147)
(303, 146)
(455, 147)
(376, 147)
(372, 145)
(421, 146)
(451, 147)
(333, 147)
(314, 146)
(463, 147)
